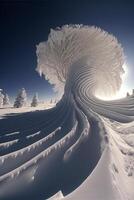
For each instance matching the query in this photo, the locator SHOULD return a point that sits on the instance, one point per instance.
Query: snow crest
(83, 147)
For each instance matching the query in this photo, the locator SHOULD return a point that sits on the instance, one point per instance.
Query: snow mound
(82, 147)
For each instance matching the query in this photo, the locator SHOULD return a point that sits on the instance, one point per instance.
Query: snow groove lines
(83, 137)
(41, 155)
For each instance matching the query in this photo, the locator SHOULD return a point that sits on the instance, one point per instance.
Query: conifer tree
(35, 100)
(6, 101)
(21, 99)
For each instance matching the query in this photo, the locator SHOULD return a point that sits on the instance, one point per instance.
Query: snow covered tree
(6, 101)
(35, 100)
(1, 98)
(21, 99)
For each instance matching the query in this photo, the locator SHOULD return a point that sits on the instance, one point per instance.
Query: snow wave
(71, 145)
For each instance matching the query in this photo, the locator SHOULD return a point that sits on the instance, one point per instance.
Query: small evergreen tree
(1, 98)
(6, 101)
(21, 99)
(35, 100)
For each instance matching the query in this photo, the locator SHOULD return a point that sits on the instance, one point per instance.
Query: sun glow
(123, 90)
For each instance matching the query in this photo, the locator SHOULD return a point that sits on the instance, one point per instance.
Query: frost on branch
(71, 43)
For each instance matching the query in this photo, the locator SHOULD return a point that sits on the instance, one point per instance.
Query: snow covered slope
(83, 148)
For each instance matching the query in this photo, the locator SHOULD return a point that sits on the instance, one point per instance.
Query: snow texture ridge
(83, 148)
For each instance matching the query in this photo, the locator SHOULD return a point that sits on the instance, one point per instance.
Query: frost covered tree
(35, 100)
(6, 101)
(21, 99)
(1, 98)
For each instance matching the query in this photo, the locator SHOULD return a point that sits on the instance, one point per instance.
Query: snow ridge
(83, 147)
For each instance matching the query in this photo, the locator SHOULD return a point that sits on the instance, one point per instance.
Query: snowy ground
(112, 178)
(12, 110)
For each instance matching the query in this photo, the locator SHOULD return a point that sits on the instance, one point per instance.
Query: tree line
(20, 100)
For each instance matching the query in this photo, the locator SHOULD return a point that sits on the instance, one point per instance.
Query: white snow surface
(57, 196)
(11, 110)
(113, 177)
(82, 148)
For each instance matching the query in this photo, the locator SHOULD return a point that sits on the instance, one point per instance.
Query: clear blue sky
(26, 23)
